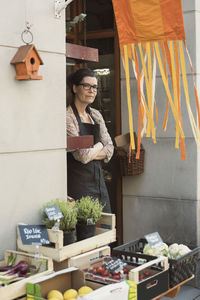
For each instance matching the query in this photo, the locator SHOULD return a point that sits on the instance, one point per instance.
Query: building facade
(165, 198)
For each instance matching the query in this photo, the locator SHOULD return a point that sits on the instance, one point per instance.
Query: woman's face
(86, 91)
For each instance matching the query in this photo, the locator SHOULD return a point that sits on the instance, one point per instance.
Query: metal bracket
(59, 6)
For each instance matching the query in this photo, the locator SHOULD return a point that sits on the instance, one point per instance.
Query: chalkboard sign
(154, 239)
(53, 212)
(34, 234)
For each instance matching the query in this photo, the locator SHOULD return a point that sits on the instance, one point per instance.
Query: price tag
(115, 265)
(154, 239)
(53, 212)
(90, 222)
(34, 234)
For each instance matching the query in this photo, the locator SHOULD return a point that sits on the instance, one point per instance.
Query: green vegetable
(68, 222)
(10, 274)
(88, 208)
(11, 259)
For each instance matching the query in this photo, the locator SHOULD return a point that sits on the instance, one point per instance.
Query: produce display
(54, 294)
(69, 294)
(110, 271)
(9, 274)
(14, 272)
(173, 251)
(144, 275)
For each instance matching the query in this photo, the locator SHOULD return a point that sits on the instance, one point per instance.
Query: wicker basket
(129, 165)
(179, 269)
(132, 167)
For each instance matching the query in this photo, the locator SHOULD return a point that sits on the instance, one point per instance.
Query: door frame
(76, 37)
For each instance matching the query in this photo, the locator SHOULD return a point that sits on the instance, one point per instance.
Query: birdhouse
(27, 62)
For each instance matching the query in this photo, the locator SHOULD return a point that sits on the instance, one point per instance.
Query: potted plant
(89, 212)
(68, 223)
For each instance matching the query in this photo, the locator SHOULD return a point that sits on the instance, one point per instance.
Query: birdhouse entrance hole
(32, 60)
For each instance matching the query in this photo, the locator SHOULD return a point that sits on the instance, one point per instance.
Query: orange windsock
(154, 30)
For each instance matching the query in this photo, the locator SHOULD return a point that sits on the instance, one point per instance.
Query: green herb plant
(69, 211)
(88, 208)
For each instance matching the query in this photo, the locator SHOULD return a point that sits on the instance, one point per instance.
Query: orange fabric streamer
(139, 98)
(165, 68)
(151, 31)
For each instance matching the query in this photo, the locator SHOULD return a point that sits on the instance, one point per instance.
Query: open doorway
(98, 30)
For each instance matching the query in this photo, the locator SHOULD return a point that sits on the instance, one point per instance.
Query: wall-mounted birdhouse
(27, 62)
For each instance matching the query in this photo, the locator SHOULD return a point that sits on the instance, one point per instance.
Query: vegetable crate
(156, 283)
(18, 288)
(150, 275)
(81, 259)
(71, 278)
(179, 269)
(105, 234)
(89, 257)
(135, 288)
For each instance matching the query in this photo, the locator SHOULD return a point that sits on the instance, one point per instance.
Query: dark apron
(87, 179)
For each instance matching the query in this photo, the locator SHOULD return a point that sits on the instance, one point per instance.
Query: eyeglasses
(88, 87)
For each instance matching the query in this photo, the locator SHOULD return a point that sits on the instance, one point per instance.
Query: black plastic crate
(179, 269)
(157, 280)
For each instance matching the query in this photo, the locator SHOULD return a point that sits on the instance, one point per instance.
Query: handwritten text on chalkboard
(53, 212)
(34, 234)
(154, 239)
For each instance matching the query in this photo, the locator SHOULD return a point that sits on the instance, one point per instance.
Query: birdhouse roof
(22, 53)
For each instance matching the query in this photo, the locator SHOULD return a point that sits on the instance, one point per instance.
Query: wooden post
(119, 214)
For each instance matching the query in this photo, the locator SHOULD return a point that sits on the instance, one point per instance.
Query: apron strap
(73, 106)
(88, 110)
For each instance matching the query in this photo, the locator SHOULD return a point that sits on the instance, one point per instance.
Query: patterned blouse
(86, 155)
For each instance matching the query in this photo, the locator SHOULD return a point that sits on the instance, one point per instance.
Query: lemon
(70, 294)
(84, 290)
(55, 294)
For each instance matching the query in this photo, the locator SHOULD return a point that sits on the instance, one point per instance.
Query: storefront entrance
(98, 30)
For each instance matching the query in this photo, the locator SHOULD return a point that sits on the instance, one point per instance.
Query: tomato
(125, 271)
(147, 274)
(116, 276)
(94, 271)
(141, 277)
(100, 270)
(105, 273)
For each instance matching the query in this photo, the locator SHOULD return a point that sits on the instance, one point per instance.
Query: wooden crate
(80, 260)
(87, 258)
(70, 278)
(18, 288)
(105, 234)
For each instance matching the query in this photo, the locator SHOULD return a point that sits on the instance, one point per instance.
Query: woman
(85, 175)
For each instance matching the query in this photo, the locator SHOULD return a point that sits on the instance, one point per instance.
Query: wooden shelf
(58, 252)
(78, 52)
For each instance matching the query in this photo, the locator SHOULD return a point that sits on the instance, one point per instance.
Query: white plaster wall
(32, 117)
(166, 177)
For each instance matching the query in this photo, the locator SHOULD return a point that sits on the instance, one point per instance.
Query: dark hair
(76, 77)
